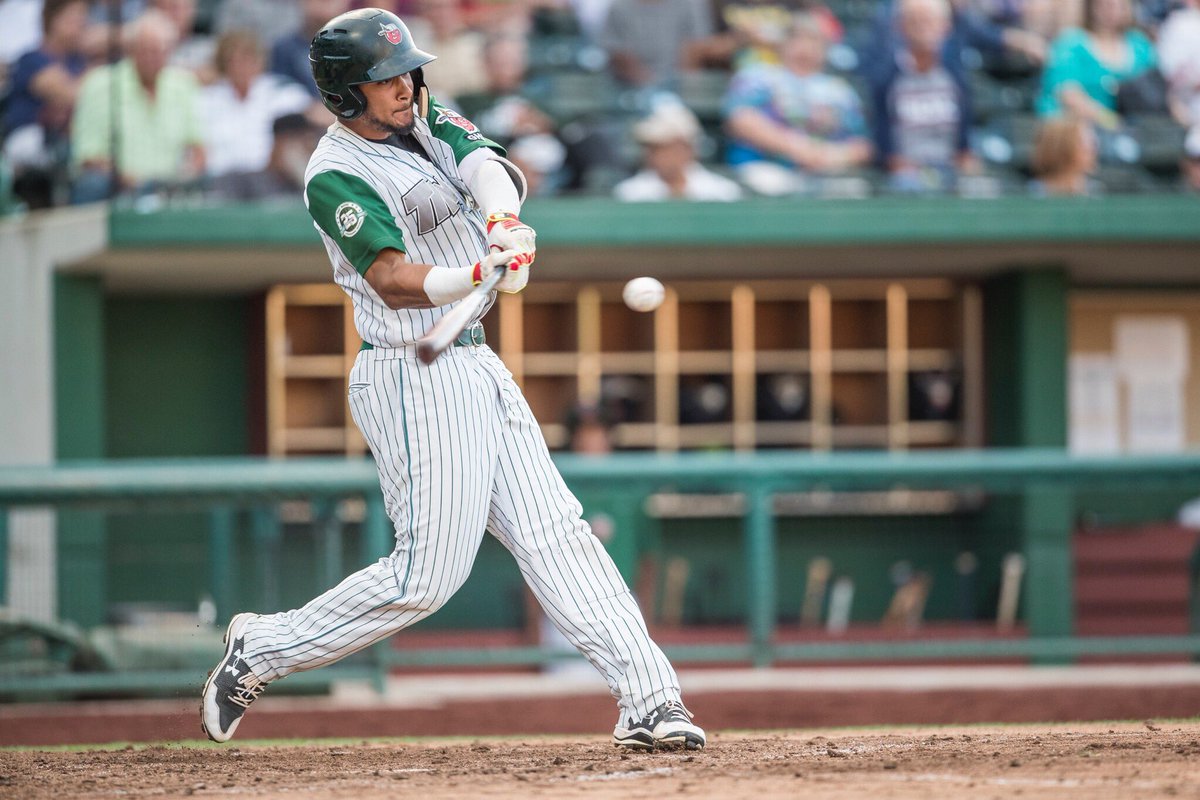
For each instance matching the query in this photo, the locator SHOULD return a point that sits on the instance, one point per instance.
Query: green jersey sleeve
(354, 216)
(457, 131)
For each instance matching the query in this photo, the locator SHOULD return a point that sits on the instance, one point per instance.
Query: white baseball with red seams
(643, 294)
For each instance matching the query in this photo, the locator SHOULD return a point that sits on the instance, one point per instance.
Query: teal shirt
(1073, 62)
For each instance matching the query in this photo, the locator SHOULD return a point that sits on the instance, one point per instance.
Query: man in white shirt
(238, 111)
(668, 138)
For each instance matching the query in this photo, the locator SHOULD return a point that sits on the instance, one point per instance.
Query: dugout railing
(1046, 482)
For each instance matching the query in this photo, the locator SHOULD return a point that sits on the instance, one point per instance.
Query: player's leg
(540, 521)
(433, 435)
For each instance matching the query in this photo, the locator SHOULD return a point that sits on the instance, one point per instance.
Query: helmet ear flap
(348, 106)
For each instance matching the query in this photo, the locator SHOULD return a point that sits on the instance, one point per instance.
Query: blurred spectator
(21, 22)
(441, 30)
(237, 111)
(922, 104)
(751, 31)
(157, 131)
(668, 139)
(1086, 67)
(968, 29)
(532, 138)
(650, 42)
(294, 138)
(289, 55)
(1189, 167)
(44, 85)
(272, 20)
(1179, 60)
(589, 430)
(1064, 158)
(193, 52)
(788, 120)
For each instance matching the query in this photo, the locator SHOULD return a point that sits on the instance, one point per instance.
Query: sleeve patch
(349, 218)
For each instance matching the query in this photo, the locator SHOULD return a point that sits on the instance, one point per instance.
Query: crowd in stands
(643, 100)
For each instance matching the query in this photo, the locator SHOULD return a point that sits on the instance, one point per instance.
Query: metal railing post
(329, 535)
(760, 572)
(378, 536)
(264, 522)
(4, 601)
(220, 555)
(378, 539)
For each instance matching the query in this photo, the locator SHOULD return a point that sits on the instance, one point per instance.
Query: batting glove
(506, 232)
(515, 263)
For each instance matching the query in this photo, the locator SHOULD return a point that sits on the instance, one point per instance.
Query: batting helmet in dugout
(362, 46)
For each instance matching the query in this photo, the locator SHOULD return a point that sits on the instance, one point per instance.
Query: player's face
(390, 105)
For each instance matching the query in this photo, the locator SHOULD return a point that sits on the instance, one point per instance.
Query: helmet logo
(391, 32)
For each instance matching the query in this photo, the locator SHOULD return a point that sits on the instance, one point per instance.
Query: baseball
(643, 294)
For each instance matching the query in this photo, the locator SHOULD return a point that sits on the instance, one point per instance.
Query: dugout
(136, 335)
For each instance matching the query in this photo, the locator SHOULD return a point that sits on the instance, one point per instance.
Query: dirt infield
(1094, 761)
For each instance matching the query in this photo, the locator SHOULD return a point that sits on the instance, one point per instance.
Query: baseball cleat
(668, 726)
(231, 687)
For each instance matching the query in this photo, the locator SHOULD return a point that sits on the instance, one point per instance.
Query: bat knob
(426, 353)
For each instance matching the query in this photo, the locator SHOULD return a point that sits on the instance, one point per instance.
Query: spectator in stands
(751, 32)
(968, 29)
(1179, 60)
(289, 55)
(21, 21)
(193, 52)
(650, 42)
(1086, 67)
(1064, 158)
(237, 111)
(45, 83)
(272, 20)
(550, 160)
(922, 104)
(792, 120)
(157, 130)
(441, 29)
(1189, 167)
(668, 138)
(294, 137)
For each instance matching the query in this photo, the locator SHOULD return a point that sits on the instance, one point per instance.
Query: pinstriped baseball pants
(458, 451)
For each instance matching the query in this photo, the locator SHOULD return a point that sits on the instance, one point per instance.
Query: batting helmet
(362, 46)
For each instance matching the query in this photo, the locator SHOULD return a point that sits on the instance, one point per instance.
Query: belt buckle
(475, 335)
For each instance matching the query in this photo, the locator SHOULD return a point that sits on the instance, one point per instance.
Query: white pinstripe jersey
(365, 196)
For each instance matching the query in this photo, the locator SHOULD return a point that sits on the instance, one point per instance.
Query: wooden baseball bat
(446, 330)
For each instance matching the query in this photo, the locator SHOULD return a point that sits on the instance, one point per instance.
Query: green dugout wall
(155, 339)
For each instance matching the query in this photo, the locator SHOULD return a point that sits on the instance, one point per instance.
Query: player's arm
(353, 215)
(497, 185)
(404, 284)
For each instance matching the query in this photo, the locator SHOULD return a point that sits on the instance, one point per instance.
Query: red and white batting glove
(516, 264)
(506, 232)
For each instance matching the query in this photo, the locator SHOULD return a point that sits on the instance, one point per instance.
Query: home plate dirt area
(1088, 760)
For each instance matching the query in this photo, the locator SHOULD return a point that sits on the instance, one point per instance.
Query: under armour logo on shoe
(232, 668)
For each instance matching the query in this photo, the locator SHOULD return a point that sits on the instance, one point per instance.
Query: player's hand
(514, 262)
(506, 232)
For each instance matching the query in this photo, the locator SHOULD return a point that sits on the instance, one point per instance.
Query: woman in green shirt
(1086, 67)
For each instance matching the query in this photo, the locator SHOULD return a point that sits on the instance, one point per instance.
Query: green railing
(1044, 480)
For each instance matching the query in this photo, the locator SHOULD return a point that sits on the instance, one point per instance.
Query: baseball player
(415, 206)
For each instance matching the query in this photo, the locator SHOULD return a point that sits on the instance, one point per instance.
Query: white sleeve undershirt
(495, 182)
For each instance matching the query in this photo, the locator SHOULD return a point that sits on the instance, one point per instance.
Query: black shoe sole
(208, 680)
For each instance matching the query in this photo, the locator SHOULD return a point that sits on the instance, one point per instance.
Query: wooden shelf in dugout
(724, 364)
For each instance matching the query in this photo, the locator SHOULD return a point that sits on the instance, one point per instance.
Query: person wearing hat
(668, 138)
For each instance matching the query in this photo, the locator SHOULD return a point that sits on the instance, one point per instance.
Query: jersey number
(429, 206)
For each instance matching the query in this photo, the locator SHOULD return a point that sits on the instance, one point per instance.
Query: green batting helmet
(362, 46)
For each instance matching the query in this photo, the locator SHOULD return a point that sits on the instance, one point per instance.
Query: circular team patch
(349, 218)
